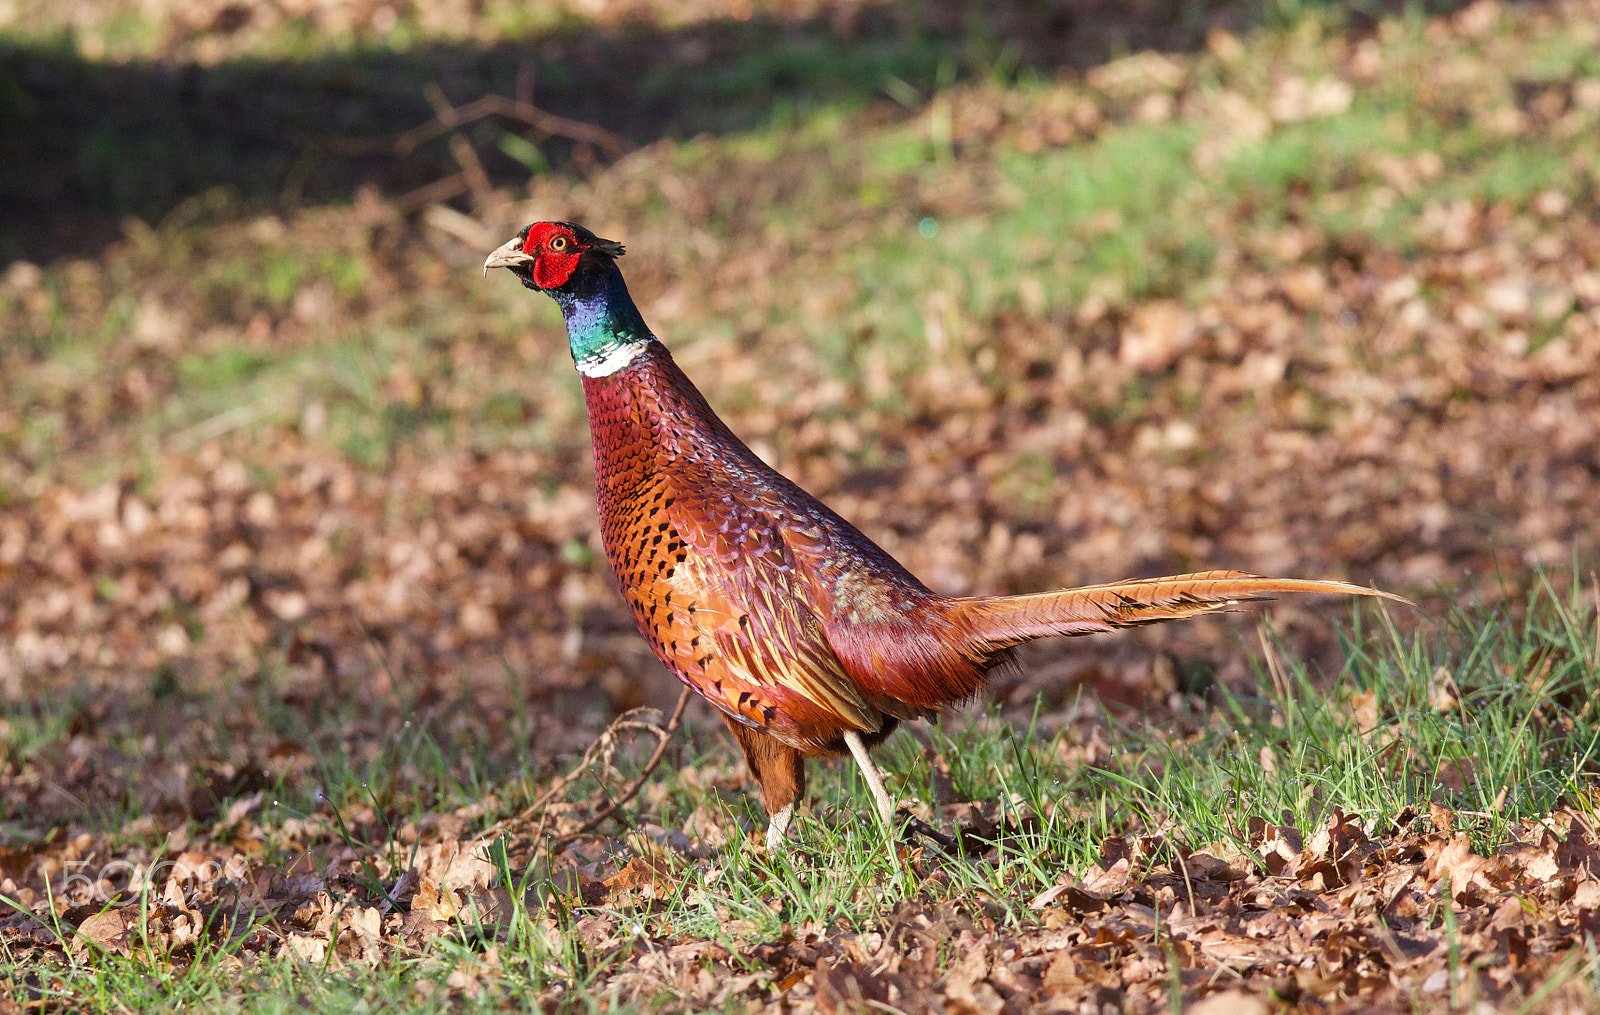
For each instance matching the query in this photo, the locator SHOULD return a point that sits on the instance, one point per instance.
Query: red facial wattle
(552, 270)
(555, 251)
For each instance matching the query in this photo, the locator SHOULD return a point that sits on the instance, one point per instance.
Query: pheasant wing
(724, 605)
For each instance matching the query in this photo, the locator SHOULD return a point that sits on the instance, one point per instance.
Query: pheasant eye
(559, 243)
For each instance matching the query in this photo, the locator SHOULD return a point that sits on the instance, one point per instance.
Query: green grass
(950, 238)
(1527, 676)
(1123, 216)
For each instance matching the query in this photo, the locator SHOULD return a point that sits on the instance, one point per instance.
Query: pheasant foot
(778, 827)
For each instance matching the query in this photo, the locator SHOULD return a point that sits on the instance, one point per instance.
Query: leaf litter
(1440, 426)
(1340, 917)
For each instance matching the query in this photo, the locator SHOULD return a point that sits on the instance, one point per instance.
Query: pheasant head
(579, 271)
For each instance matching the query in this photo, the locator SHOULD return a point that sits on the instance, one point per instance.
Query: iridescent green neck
(604, 328)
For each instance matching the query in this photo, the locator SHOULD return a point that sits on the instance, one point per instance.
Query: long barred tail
(997, 622)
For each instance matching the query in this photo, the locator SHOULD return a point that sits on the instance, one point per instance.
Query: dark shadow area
(83, 144)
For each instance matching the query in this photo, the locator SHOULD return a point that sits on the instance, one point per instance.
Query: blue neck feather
(600, 315)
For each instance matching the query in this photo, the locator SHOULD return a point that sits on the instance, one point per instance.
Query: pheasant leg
(778, 827)
(874, 778)
(781, 773)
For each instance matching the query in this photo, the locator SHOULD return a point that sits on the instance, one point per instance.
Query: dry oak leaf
(1229, 1002)
(1511, 914)
(1205, 865)
(846, 987)
(108, 929)
(1047, 896)
(435, 900)
(360, 932)
(1576, 853)
(1523, 862)
(1333, 840)
(1586, 896)
(966, 989)
(1457, 861)
(639, 873)
(1443, 818)
(312, 949)
(1277, 854)
(1076, 898)
(1239, 953)
(1108, 883)
(1062, 973)
(456, 863)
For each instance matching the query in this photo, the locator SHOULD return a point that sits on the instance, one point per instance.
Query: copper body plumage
(807, 637)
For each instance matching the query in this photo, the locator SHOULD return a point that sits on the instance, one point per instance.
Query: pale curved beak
(507, 255)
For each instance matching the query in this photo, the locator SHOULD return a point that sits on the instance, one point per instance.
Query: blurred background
(1038, 293)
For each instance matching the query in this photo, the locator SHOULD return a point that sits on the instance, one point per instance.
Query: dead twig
(605, 743)
(471, 169)
(663, 736)
(914, 825)
(449, 119)
(547, 124)
(461, 149)
(439, 190)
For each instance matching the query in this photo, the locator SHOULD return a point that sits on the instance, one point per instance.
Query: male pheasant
(807, 637)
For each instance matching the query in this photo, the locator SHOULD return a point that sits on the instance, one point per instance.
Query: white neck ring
(610, 360)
